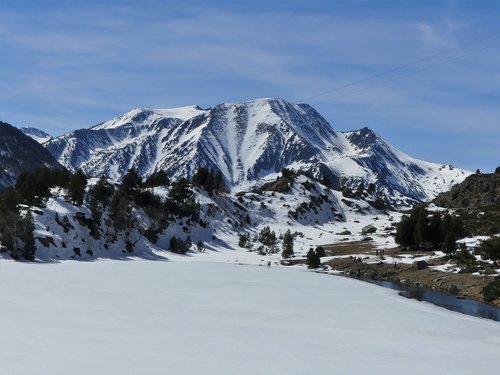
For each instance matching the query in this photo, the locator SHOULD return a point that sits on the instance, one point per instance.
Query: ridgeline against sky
(422, 74)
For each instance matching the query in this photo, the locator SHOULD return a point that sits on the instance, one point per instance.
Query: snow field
(121, 317)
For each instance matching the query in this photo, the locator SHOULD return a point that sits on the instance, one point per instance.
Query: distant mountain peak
(38, 135)
(148, 116)
(19, 152)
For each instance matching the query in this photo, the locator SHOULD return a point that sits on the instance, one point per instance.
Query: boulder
(368, 229)
(420, 264)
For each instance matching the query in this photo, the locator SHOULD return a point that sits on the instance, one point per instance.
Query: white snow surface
(145, 317)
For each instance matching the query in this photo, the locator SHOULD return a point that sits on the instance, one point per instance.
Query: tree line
(422, 229)
(111, 205)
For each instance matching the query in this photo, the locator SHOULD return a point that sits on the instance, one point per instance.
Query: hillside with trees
(20, 153)
(477, 201)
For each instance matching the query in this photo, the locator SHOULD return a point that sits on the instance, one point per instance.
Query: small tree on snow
(200, 246)
(320, 251)
(268, 237)
(313, 260)
(287, 245)
(244, 240)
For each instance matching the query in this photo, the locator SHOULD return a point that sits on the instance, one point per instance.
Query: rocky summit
(249, 143)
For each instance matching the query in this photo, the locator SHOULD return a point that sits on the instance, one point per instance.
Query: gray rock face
(475, 192)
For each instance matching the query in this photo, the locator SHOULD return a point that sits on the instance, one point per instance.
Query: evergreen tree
(180, 192)
(121, 211)
(180, 246)
(313, 260)
(27, 238)
(61, 177)
(449, 245)
(99, 198)
(491, 249)
(102, 191)
(188, 243)
(200, 177)
(27, 188)
(181, 201)
(320, 251)
(420, 233)
(244, 240)
(76, 187)
(131, 182)
(200, 246)
(9, 201)
(404, 231)
(287, 252)
(174, 244)
(209, 180)
(267, 237)
(435, 229)
(159, 178)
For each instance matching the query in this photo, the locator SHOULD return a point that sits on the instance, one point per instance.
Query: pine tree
(404, 231)
(313, 260)
(76, 187)
(200, 246)
(435, 229)
(320, 251)
(26, 236)
(102, 191)
(131, 182)
(420, 231)
(491, 250)
(287, 252)
(267, 237)
(159, 178)
(244, 240)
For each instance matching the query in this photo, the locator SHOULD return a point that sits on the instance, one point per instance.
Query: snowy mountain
(248, 143)
(18, 152)
(38, 135)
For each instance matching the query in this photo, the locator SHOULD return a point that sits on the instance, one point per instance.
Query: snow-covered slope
(38, 135)
(248, 143)
(318, 214)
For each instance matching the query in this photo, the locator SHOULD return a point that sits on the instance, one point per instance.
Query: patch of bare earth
(461, 284)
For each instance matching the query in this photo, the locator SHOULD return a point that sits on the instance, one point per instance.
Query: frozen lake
(146, 317)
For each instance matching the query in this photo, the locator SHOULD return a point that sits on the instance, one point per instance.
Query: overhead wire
(404, 66)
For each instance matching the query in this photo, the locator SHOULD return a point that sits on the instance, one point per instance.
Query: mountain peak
(38, 135)
(148, 116)
(363, 138)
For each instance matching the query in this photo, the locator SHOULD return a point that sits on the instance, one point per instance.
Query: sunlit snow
(143, 317)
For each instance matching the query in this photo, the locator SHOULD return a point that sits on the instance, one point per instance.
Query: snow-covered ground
(122, 317)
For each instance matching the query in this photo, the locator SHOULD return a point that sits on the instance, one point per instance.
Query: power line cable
(412, 73)
(401, 67)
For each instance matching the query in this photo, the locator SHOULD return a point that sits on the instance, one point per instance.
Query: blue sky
(71, 64)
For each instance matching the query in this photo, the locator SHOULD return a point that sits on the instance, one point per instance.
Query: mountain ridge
(19, 152)
(249, 143)
(37, 134)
